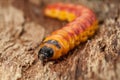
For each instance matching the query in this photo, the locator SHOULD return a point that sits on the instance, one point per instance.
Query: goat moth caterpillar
(82, 25)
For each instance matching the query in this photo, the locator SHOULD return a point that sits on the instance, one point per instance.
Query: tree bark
(23, 26)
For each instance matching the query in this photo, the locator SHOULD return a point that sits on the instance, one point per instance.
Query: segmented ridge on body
(82, 25)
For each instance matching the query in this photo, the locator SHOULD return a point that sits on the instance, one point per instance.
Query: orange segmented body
(82, 25)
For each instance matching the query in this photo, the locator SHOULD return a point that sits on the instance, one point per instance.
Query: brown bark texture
(23, 26)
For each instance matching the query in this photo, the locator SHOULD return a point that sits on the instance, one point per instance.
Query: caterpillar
(82, 25)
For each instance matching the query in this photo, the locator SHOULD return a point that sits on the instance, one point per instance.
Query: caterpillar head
(45, 53)
(49, 50)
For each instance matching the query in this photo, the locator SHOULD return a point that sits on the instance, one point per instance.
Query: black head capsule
(45, 53)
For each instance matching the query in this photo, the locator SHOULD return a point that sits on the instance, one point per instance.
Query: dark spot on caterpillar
(54, 42)
(45, 53)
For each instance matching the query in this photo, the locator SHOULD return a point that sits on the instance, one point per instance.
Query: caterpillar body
(82, 25)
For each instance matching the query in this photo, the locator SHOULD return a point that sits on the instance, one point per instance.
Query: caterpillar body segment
(82, 25)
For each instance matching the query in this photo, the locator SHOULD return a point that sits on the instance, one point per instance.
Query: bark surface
(23, 26)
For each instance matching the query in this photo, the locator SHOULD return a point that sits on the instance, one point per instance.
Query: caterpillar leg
(92, 29)
(83, 36)
(90, 32)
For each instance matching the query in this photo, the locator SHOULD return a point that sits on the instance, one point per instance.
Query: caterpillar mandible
(83, 24)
